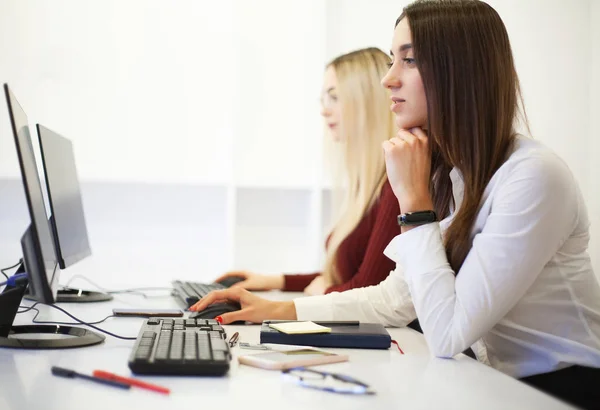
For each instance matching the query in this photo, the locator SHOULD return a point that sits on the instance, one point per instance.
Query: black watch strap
(416, 218)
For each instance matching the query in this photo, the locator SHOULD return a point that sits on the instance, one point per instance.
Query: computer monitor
(67, 221)
(39, 257)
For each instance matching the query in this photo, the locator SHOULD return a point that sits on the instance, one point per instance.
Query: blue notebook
(343, 334)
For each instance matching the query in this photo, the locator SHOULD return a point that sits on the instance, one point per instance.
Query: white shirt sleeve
(533, 212)
(388, 303)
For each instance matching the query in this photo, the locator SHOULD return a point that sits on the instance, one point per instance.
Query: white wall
(594, 145)
(551, 43)
(280, 64)
(361, 23)
(159, 92)
(144, 89)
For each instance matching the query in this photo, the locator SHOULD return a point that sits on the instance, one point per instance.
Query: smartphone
(148, 312)
(281, 360)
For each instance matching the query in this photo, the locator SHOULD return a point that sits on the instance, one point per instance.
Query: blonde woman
(356, 112)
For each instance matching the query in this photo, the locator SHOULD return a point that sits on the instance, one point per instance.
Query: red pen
(132, 382)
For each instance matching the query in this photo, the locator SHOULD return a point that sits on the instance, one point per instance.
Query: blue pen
(62, 372)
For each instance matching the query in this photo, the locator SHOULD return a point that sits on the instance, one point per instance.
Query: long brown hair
(465, 60)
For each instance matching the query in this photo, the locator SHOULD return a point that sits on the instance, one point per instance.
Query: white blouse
(526, 298)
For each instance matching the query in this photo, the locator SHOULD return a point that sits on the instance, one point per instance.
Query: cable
(87, 280)
(137, 291)
(10, 267)
(12, 281)
(27, 308)
(43, 322)
(90, 324)
(130, 290)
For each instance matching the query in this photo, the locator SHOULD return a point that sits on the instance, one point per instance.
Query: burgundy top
(360, 258)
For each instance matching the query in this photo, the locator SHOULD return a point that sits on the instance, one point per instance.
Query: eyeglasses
(332, 382)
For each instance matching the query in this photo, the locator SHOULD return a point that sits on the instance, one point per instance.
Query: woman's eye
(409, 61)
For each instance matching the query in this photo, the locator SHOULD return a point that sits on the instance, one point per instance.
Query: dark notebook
(343, 334)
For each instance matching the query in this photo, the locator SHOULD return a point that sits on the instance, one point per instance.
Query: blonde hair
(366, 122)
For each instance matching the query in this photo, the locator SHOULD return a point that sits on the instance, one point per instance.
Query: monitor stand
(37, 336)
(70, 295)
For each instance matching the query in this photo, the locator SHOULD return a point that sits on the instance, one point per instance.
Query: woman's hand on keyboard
(253, 281)
(254, 309)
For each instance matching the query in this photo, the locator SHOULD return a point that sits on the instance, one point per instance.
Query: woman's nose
(391, 79)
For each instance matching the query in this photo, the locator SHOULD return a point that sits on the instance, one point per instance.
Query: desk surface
(415, 380)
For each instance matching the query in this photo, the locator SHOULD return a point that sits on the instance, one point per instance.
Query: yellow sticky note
(292, 328)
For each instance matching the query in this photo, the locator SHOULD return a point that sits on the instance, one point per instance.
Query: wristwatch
(416, 218)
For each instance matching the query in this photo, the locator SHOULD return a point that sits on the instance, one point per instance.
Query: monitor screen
(68, 219)
(39, 255)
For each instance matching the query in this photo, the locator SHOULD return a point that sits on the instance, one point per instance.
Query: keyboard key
(218, 355)
(190, 349)
(204, 353)
(161, 354)
(219, 345)
(143, 353)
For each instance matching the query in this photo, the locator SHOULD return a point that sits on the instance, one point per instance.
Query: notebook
(343, 334)
(292, 328)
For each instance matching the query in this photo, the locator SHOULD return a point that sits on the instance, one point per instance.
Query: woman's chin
(407, 124)
(333, 134)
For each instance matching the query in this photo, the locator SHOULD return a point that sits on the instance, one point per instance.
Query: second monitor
(68, 219)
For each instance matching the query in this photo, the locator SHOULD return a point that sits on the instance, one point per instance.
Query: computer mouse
(216, 309)
(231, 280)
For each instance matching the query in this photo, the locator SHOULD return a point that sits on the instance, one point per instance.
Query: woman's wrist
(278, 282)
(415, 204)
(285, 310)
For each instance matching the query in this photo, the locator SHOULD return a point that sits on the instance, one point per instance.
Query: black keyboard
(180, 347)
(189, 293)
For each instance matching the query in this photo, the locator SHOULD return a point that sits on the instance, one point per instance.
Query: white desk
(415, 380)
